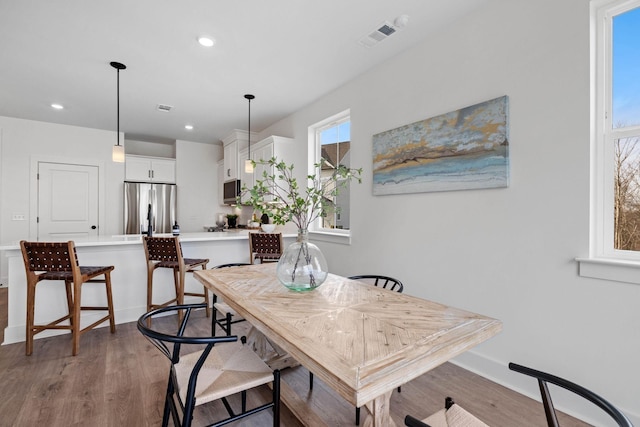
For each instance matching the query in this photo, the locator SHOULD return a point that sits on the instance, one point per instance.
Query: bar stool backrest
(266, 246)
(49, 256)
(163, 249)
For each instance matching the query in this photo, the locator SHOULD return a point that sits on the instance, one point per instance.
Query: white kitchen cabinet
(235, 143)
(150, 169)
(220, 181)
(273, 146)
(246, 179)
(231, 161)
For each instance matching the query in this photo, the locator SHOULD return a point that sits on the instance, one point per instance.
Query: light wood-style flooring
(119, 380)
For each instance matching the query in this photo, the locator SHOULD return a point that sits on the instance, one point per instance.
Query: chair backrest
(49, 256)
(544, 378)
(163, 249)
(160, 339)
(385, 282)
(265, 243)
(232, 264)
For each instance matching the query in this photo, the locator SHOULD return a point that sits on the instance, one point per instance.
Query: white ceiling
(287, 53)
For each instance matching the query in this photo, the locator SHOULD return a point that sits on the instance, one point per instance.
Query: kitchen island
(129, 278)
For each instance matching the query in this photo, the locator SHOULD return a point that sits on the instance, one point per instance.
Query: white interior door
(67, 201)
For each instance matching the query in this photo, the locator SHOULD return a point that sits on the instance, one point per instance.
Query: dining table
(361, 340)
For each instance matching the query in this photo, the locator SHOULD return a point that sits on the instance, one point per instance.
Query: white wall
(25, 140)
(507, 253)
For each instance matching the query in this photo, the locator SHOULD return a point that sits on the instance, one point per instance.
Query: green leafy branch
(280, 196)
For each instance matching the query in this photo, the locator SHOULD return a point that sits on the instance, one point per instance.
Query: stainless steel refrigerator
(142, 200)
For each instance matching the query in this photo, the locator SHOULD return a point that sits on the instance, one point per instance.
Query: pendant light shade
(248, 164)
(117, 154)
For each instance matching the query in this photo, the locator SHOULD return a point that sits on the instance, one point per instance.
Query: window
(617, 138)
(615, 220)
(330, 143)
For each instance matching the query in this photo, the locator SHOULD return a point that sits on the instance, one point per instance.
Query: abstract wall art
(461, 150)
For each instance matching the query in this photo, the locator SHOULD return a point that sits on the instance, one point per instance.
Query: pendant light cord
(118, 107)
(249, 97)
(118, 66)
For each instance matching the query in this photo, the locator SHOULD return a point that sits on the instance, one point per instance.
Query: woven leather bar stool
(267, 247)
(59, 261)
(166, 252)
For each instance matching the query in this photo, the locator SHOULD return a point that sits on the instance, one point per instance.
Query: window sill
(610, 269)
(329, 237)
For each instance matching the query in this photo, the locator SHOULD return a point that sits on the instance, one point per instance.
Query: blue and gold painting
(461, 150)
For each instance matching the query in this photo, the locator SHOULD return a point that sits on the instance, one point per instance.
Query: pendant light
(117, 154)
(248, 164)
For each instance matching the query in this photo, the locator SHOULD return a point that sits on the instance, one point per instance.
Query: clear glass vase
(302, 266)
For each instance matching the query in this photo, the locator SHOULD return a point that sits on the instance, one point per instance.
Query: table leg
(379, 415)
(268, 351)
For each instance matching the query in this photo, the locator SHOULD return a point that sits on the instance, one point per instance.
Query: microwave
(231, 190)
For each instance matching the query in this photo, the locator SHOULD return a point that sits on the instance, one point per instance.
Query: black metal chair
(227, 367)
(385, 282)
(443, 417)
(229, 314)
(452, 415)
(377, 280)
(552, 420)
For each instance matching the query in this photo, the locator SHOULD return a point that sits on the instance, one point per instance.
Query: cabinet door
(231, 161)
(137, 169)
(265, 154)
(163, 171)
(246, 179)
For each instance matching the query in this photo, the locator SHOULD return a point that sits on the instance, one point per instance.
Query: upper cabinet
(150, 169)
(273, 146)
(231, 161)
(234, 143)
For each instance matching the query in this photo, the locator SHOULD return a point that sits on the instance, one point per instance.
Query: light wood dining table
(362, 341)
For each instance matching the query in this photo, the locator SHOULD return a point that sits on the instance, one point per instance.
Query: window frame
(604, 261)
(333, 235)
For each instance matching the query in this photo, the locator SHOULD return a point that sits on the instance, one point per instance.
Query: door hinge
(37, 220)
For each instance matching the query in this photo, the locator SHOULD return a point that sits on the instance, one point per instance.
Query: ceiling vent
(164, 107)
(383, 31)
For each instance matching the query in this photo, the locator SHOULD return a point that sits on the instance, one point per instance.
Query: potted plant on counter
(302, 265)
(231, 220)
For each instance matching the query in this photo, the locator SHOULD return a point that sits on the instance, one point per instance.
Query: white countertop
(136, 239)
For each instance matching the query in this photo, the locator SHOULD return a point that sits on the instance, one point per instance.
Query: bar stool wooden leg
(31, 297)
(112, 318)
(206, 297)
(150, 271)
(180, 276)
(69, 291)
(75, 318)
(179, 284)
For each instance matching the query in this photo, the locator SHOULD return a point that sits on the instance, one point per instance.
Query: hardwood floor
(119, 380)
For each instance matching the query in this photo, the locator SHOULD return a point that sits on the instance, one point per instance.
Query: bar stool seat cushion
(68, 275)
(188, 262)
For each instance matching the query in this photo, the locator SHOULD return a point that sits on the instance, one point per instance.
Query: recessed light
(188, 127)
(206, 41)
(57, 106)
